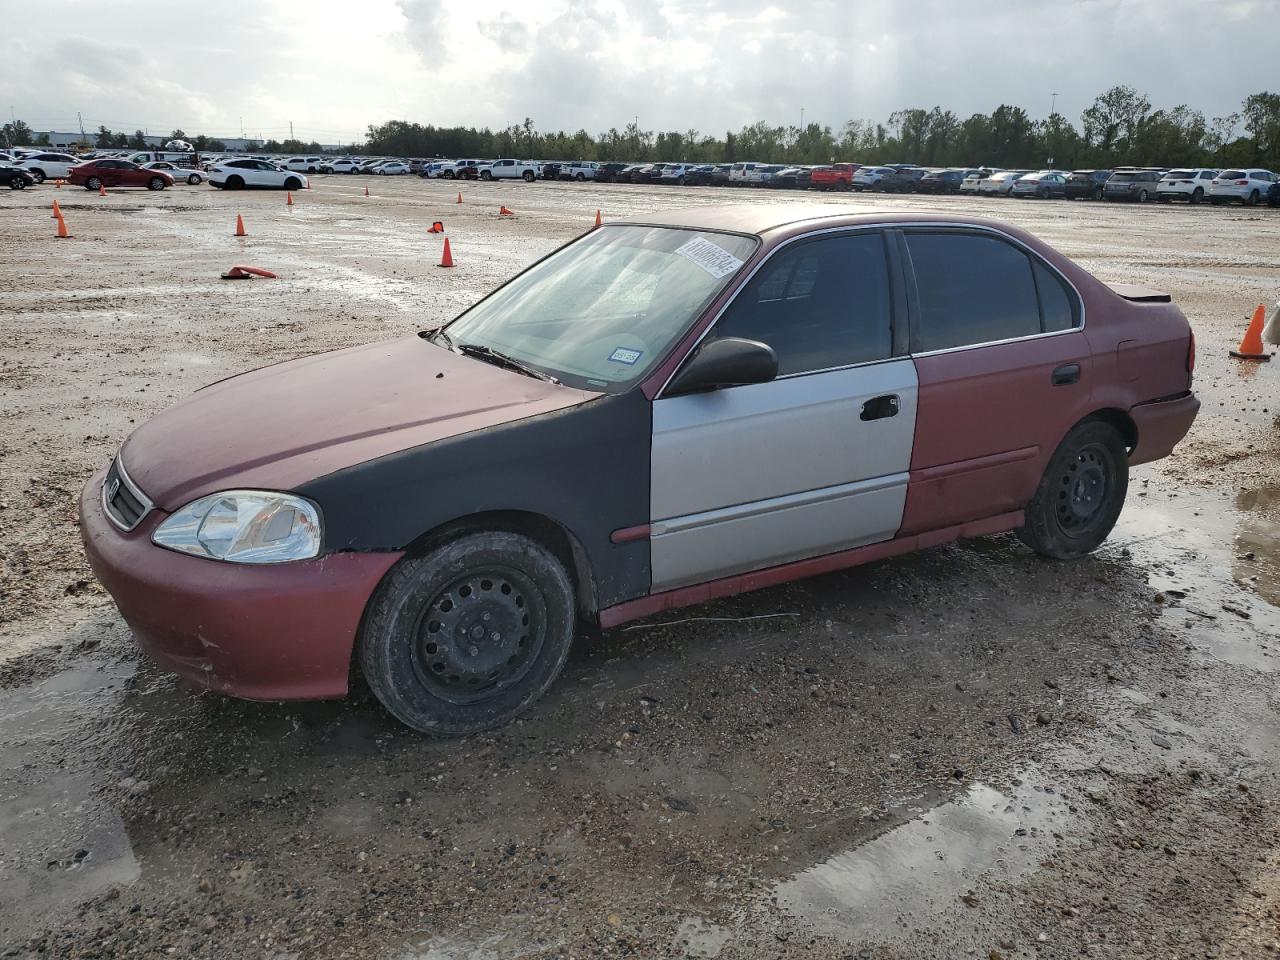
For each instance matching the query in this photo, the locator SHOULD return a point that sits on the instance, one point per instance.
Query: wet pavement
(964, 752)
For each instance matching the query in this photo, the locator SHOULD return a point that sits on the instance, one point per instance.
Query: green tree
(1112, 120)
(1261, 114)
(17, 134)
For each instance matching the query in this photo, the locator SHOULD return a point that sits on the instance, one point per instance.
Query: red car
(837, 176)
(110, 172)
(664, 411)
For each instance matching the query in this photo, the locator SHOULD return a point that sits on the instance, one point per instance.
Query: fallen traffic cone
(504, 212)
(288, 199)
(57, 211)
(459, 197)
(62, 233)
(240, 226)
(1251, 345)
(102, 189)
(598, 221)
(447, 259)
(247, 273)
(436, 227)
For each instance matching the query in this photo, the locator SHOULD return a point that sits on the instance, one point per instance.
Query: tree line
(1121, 127)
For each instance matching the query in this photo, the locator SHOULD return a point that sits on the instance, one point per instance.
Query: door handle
(878, 408)
(1065, 374)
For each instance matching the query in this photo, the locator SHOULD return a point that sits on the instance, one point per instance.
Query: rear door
(1004, 371)
(814, 462)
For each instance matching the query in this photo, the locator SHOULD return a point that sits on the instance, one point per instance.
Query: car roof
(766, 218)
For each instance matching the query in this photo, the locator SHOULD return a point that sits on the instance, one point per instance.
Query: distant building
(64, 141)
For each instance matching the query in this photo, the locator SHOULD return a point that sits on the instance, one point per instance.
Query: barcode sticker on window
(714, 259)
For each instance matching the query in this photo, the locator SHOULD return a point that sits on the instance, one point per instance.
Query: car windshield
(600, 313)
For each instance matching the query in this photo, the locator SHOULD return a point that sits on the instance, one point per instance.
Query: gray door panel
(753, 476)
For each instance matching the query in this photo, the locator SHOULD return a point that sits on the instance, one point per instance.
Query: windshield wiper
(481, 352)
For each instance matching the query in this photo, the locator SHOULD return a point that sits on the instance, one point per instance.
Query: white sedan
(393, 168)
(189, 174)
(238, 174)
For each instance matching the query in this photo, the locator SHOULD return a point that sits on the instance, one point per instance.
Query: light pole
(802, 119)
(1053, 105)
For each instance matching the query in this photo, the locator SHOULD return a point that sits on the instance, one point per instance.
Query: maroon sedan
(110, 172)
(682, 407)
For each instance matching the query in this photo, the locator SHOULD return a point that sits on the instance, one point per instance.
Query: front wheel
(235, 183)
(580, 177)
(293, 183)
(194, 179)
(486, 175)
(93, 183)
(467, 636)
(1080, 495)
(17, 183)
(155, 183)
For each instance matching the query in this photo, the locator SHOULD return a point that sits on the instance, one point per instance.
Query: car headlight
(244, 526)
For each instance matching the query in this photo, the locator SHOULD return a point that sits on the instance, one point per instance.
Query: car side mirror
(728, 362)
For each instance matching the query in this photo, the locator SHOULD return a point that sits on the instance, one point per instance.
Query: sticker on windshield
(624, 355)
(714, 259)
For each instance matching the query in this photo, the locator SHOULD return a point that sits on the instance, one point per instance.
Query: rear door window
(973, 288)
(819, 304)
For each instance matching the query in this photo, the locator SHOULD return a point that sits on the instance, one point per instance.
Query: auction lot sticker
(710, 257)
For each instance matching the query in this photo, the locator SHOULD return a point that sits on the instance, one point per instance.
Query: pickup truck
(525, 170)
(837, 176)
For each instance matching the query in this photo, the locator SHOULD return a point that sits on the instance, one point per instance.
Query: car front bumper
(1161, 424)
(257, 631)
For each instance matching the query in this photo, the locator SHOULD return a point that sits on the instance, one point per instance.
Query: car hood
(281, 426)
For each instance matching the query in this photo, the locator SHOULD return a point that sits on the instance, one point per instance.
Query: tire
(1252, 199)
(155, 183)
(1080, 495)
(235, 182)
(486, 175)
(93, 183)
(194, 179)
(17, 183)
(1197, 195)
(293, 183)
(1100, 193)
(528, 176)
(38, 174)
(447, 175)
(1142, 196)
(1043, 195)
(580, 177)
(418, 645)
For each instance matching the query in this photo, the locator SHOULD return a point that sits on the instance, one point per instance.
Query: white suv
(740, 174)
(342, 165)
(1191, 185)
(48, 166)
(1248, 186)
(304, 164)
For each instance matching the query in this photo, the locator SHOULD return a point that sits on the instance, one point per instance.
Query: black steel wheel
(467, 636)
(1080, 495)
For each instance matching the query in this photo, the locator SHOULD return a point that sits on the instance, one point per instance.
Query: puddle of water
(700, 939)
(893, 884)
(493, 945)
(1216, 560)
(61, 841)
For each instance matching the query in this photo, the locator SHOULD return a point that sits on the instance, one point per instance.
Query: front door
(814, 462)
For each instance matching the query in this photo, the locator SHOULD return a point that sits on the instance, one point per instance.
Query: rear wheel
(155, 183)
(38, 174)
(528, 176)
(1197, 195)
(235, 182)
(467, 636)
(1099, 193)
(1252, 199)
(293, 183)
(448, 175)
(486, 175)
(193, 179)
(1142, 196)
(1080, 495)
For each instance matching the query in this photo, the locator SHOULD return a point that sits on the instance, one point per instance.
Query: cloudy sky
(334, 67)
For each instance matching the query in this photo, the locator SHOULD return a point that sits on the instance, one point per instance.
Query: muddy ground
(968, 752)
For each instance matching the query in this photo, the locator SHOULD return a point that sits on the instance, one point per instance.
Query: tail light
(1242, 183)
(1191, 353)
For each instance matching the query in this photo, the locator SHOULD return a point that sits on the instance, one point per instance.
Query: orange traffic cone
(240, 226)
(504, 212)
(598, 221)
(436, 227)
(62, 233)
(459, 197)
(57, 211)
(1251, 345)
(102, 189)
(447, 259)
(288, 199)
(57, 184)
(366, 191)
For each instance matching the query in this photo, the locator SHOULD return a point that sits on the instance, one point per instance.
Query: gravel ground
(964, 752)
